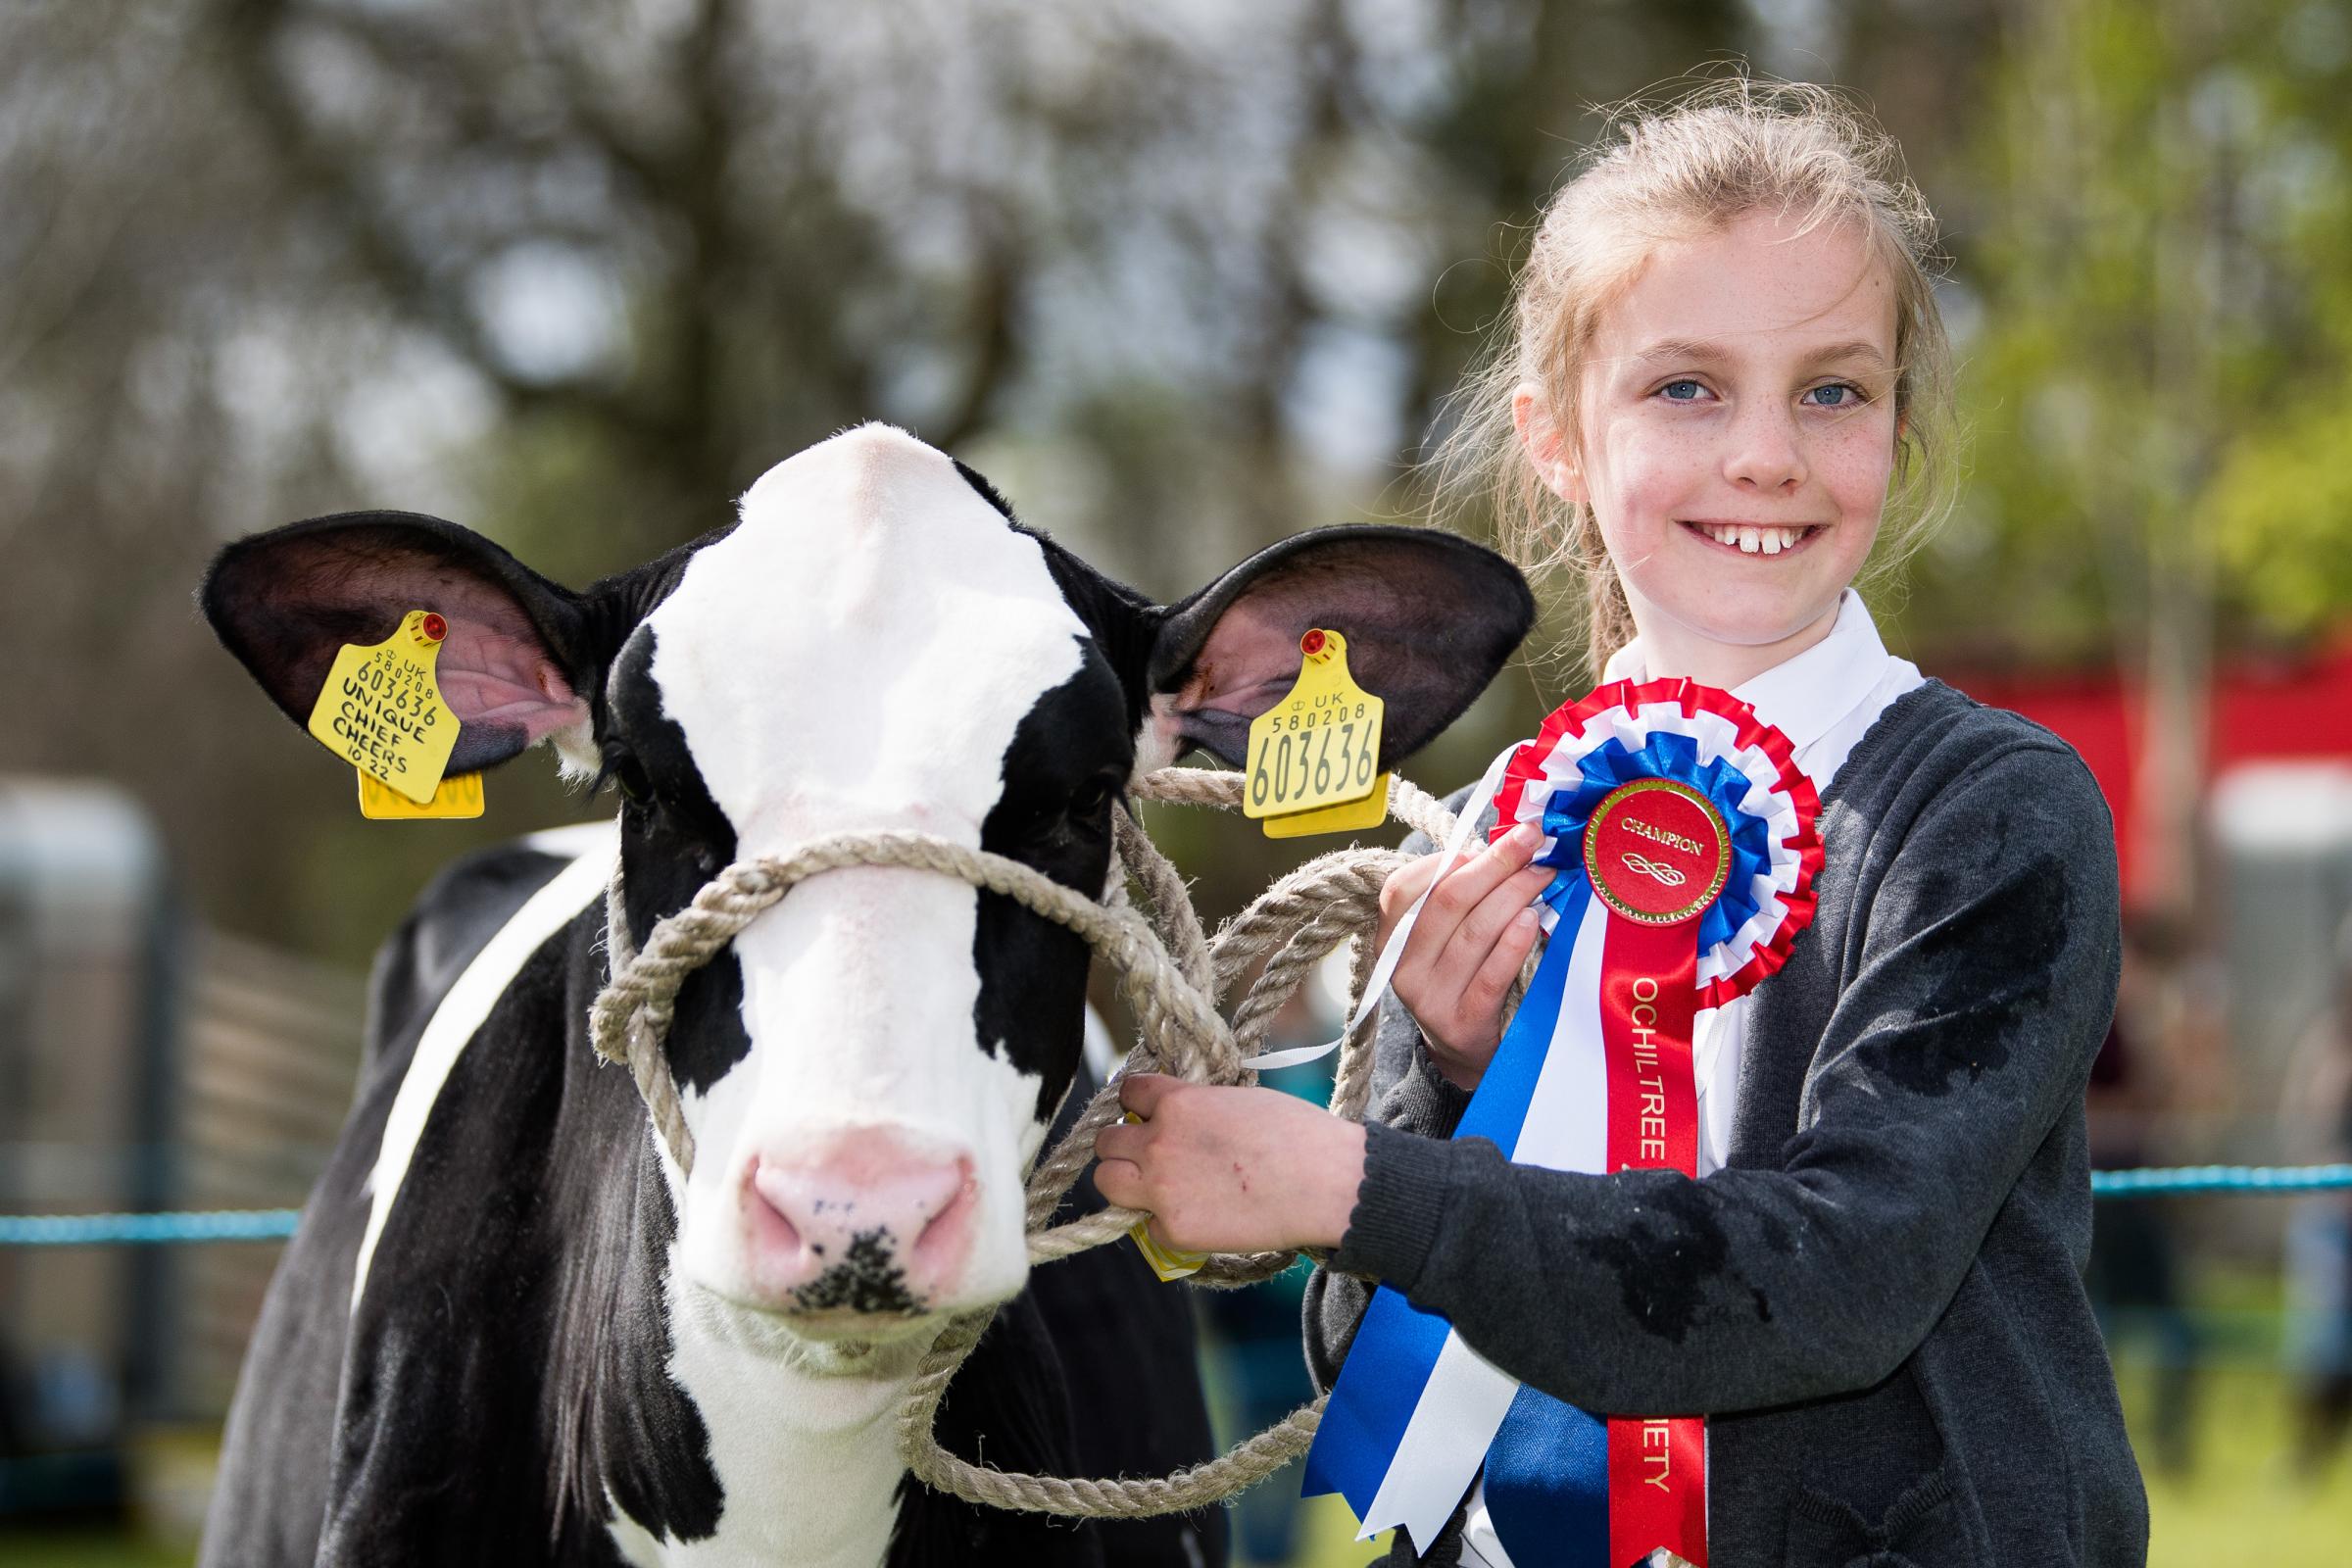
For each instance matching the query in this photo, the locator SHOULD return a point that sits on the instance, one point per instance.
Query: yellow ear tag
(1313, 755)
(460, 796)
(381, 708)
(1166, 1261)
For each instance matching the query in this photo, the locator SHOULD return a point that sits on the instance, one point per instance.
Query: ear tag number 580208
(1314, 756)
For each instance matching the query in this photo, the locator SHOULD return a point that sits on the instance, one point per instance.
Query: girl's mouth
(1756, 538)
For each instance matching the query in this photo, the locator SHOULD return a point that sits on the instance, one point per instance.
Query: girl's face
(1735, 439)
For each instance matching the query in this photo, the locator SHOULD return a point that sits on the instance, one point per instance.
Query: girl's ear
(515, 666)
(1546, 444)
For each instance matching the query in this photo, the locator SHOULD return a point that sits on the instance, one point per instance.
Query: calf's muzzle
(868, 1220)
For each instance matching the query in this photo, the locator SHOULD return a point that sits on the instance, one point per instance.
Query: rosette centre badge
(1656, 852)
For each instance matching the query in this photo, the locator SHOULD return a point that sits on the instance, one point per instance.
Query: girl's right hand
(1473, 935)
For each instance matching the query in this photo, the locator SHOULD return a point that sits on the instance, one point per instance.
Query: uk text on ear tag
(460, 796)
(1168, 1263)
(1318, 749)
(381, 708)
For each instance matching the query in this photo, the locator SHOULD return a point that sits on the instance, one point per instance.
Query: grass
(2239, 1500)
(88, 1549)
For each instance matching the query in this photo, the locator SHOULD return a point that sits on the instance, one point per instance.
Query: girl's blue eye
(1683, 391)
(1837, 395)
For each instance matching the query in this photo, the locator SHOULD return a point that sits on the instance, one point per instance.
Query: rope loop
(1172, 974)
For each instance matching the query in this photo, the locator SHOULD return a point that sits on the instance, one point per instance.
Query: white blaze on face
(858, 655)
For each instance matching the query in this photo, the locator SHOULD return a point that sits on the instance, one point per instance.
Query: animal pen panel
(144, 1065)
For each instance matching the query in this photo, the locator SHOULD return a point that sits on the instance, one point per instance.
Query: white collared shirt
(1825, 701)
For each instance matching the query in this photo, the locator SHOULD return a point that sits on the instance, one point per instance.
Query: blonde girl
(1727, 392)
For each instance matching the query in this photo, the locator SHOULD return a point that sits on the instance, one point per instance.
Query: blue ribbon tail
(1373, 1402)
(1397, 1345)
(1548, 1483)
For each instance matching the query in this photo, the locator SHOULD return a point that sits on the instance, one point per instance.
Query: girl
(1727, 364)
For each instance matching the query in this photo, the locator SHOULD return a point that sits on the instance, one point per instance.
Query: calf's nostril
(871, 1197)
(947, 1229)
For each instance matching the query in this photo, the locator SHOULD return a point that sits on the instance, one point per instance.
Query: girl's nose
(1766, 453)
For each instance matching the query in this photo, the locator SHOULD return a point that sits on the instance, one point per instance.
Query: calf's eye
(629, 775)
(1089, 798)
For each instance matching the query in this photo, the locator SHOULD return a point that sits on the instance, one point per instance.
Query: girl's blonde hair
(1693, 166)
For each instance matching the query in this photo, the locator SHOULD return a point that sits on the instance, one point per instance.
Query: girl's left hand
(1231, 1170)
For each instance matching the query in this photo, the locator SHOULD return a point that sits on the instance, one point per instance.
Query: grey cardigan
(1879, 1301)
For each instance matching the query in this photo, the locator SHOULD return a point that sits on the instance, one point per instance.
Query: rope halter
(1170, 973)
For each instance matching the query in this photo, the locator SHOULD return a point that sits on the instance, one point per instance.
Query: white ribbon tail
(1291, 1055)
(1460, 1411)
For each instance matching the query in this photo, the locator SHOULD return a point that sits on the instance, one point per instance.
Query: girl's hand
(1467, 946)
(1231, 1170)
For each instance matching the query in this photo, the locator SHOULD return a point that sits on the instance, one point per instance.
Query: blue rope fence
(277, 1224)
(2221, 1178)
(145, 1230)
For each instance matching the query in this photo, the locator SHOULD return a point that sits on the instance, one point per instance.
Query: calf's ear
(1429, 619)
(515, 666)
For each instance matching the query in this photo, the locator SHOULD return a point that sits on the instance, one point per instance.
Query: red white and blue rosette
(1681, 830)
(1712, 742)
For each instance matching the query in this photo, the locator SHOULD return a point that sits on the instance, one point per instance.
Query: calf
(510, 1329)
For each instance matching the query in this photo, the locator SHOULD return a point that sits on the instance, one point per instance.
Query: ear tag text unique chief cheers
(1314, 755)
(382, 712)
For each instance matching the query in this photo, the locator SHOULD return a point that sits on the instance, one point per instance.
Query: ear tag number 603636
(382, 712)
(1314, 756)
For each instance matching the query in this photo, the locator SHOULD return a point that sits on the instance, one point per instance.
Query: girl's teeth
(1753, 541)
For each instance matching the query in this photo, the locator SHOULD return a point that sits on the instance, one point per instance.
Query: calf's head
(873, 644)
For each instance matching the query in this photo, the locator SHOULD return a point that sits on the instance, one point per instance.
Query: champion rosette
(1681, 833)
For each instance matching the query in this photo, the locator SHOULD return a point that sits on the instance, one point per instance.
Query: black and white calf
(508, 1331)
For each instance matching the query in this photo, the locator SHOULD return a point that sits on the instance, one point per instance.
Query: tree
(2150, 293)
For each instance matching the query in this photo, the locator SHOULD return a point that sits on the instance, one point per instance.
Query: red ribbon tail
(1648, 1001)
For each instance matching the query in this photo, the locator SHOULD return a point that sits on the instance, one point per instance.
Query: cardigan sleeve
(1984, 982)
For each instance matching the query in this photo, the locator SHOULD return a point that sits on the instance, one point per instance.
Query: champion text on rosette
(1679, 832)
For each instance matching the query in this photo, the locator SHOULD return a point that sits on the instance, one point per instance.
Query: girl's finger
(1121, 1184)
(1462, 891)
(1492, 981)
(1119, 1140)
(1142, 1092)
(1474, 939)
(1402, 890)
(1408, 883)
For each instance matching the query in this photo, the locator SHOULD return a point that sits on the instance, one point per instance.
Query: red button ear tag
(1656, 852)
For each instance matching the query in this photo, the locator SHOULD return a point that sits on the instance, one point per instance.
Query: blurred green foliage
(2162, 307)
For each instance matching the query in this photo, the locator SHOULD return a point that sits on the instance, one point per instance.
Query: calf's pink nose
(872, 1220)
